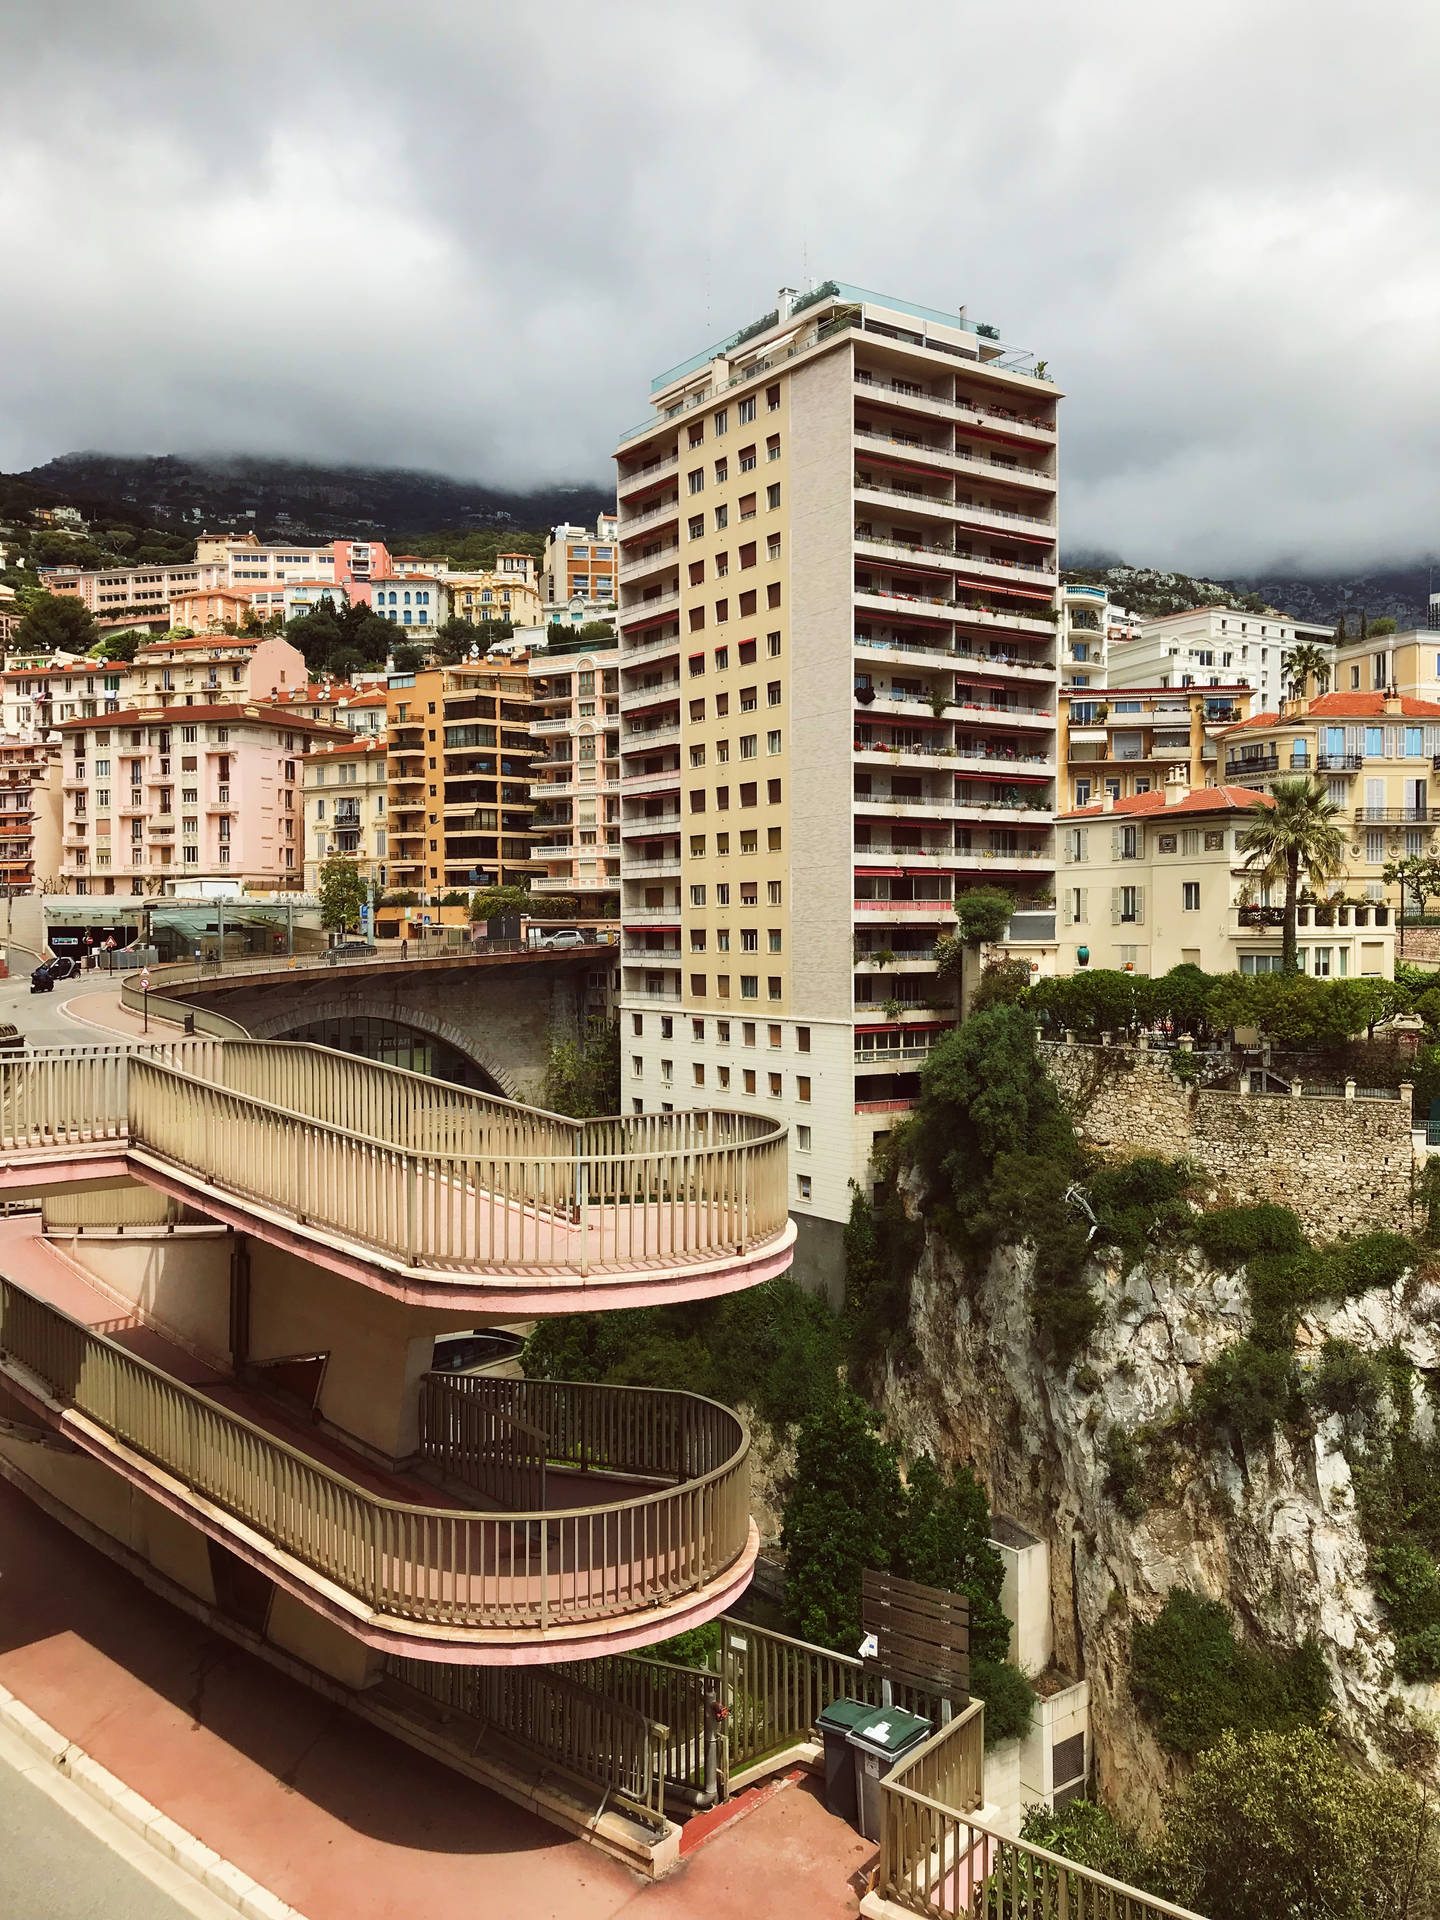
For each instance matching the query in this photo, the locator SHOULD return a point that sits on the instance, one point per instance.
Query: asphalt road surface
(53, 1867)
(39, 1016)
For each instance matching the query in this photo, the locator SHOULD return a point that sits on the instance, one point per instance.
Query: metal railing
(396, 1162)
(527, 1568)
(936, 1859)
(597, 1739)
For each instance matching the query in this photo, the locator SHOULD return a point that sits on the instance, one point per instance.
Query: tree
(840, 1518)
(407, 659)
(945, 1542)
(1304, 663)
(343, 891)
(490, 902)
(1294, 829)
(121, 646)
(1281, 1825)
(1419, 876)
(582, 1076)
(1380, 628)
(455, 640)
(1340, 634)
(983, 913)
(55, 623)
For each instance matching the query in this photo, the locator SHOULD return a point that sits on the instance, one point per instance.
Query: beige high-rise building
(837, 630)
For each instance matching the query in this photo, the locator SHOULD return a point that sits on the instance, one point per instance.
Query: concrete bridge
(490, 1016)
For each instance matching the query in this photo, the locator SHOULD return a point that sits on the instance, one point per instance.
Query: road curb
(219, 1877)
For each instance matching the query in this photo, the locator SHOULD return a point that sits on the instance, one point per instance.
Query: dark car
(351, 950)
(43, 979)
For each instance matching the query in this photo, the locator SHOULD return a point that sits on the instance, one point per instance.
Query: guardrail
(399, 1163)
(937, 1860)
(573, 1726)
(521, 1569)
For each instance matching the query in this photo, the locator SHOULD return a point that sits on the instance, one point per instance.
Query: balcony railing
(1343, 762)
(1256, 763)
(1366, 816)
(531, 1566)
(421, 1174)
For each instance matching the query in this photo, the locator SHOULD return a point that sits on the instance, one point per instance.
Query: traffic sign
(144, 979)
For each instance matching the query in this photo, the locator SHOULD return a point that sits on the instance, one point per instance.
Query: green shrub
(1093, 1836)
(1232, 1235)
(1193, 1681)
(1346, 1381)
(696, 1648)
(1009, 1699)
(1374, 1260)
(1247, 1390)
(1140, 1202)
(843, 1515)
(1124, 1472)
(944, 1541)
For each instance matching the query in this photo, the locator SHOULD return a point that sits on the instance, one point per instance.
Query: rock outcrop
(1271, 1531)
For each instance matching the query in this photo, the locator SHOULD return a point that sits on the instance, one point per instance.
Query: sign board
(144, 979)
(922, 1634)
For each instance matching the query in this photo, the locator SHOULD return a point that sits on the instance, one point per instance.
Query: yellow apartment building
(1158, 880)
(508, 591)
(1376, 755)
(1125, 742)
(344, 800)
(837, 699)
(1404, 663)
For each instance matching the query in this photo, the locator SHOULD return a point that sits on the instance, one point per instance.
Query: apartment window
(722, 472)
(772, 646)
(667, 1072)
(749, 1079)
(697, 846)
(1128, 904)
(772, 399)
(749, 986)
(772, 447)
(773, 892)
(722, 612)
(772, 547)
(696, 479)
(802, 1138)
(772, 496)
(1190, 896)
(773, 839)
(697, 940)
(749, 601)
(722, 519)
(747, 555)
(722, 894)
(1322, 956)
(697, 896)
(1374, 847)
(697, 756)
(722, 565)
(697, 1029)
(777, 1085)
(722, 663)
(697, 990)
(697, 799)
(802, 1184)
(772, 594)
(697, 532)
(697, 573)
(802, 1087)
(747, 459)
(722, 939)
(722, 843)
(637, 1060)
(774, 939)
(697, 622)
(722, 986)
(721, 420)
(749, 940)
(749, 742)
(697, 433)
(745, 412)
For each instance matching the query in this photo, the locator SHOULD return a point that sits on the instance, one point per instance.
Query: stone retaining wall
(1344, 1165)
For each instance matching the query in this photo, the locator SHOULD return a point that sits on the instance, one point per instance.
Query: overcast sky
(463, 237)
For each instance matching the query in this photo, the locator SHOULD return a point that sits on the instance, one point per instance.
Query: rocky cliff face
(1272, 1531)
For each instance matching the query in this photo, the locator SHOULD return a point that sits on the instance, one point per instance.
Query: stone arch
(278, 1025)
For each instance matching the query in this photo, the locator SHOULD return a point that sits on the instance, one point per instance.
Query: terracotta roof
(1345, 706)
(1199, 800)
(256, 712)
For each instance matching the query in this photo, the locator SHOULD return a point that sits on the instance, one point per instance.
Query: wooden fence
(519, 1569)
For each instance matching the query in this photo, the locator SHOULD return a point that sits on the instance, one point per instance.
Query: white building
(1089, 625)
(1212, 646)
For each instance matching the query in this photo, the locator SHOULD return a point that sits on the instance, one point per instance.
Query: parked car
(564, 937)
(351, 950)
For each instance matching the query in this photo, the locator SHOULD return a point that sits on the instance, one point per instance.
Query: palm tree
(1305, 663)
(1294, 828)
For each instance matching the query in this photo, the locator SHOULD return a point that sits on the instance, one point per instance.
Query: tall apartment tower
(837, 701)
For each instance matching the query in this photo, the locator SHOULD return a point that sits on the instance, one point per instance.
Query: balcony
(563, 1568)
(432, 1193)
(1347, 762)
(640, 611)
(1374, 816)
(646, 563)
(641, 477)
(1250, 766)
(1259, 916)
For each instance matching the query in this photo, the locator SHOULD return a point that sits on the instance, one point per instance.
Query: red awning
(880, 873)
(1022, 593)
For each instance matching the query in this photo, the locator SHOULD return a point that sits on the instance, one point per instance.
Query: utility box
(879, 1741)
(836, 1724)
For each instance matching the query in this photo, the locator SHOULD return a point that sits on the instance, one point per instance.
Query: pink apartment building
(29, 813)
(209, 669)
(176, 795)
(38, 693)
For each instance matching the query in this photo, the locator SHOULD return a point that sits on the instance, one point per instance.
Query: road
(41, 1016)
(59, 1859)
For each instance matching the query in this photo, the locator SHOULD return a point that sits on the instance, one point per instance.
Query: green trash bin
(835, 1723)
(878, 1741)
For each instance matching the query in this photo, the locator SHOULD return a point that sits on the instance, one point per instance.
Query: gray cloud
(465, 237)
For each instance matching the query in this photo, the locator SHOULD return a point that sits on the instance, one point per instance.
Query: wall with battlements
(1345, 1165)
